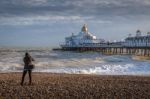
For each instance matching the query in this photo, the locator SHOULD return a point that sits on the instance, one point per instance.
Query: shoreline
(35, 72)
(141, 58)
(75, 86)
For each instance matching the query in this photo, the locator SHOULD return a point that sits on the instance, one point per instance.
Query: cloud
(35, 20)
(104, 11)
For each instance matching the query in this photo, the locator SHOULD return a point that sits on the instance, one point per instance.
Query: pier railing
(108, 45)
(94, 45)
(111, 48)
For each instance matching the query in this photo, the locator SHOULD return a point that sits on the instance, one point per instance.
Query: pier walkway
(110, 48)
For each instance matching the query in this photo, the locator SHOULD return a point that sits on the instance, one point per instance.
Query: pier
(85, 41)
(124, 50)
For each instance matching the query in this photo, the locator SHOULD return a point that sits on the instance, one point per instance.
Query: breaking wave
(73, 62)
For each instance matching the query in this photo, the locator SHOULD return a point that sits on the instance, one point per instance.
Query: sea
(47, 60)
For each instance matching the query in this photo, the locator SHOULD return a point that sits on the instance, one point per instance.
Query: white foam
(70, 62)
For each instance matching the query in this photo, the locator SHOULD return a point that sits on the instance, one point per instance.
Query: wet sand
(74, 86)
(138, 57)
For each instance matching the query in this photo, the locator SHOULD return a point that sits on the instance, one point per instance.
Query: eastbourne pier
(85, 41)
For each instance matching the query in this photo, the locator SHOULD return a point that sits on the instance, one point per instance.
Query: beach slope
(74, 86)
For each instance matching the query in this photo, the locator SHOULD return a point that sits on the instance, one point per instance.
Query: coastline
(56, 85)
(138, 57)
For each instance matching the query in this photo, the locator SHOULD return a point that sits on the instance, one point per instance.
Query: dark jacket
(27, 62)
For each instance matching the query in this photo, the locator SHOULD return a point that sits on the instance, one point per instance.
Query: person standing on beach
(28, 66)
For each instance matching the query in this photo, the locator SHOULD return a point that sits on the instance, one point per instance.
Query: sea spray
(73, 62)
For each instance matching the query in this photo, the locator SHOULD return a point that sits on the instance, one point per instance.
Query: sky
(46, 23)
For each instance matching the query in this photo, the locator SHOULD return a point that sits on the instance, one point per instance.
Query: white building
(83, 37)
(86, 39)
(138, 40)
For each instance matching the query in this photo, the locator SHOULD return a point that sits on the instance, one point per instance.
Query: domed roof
(84, 28)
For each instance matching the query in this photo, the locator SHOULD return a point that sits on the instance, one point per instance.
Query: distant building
(83, 37)
(138, 40)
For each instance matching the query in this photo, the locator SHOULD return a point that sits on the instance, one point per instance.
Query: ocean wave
(117, 58)
(104, 69)
(74, 62)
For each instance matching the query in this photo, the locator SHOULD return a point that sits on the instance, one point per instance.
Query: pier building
(84, 37)
(86, 41)
(138, 40)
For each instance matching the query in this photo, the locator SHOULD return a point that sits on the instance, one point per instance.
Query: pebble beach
(74, 86)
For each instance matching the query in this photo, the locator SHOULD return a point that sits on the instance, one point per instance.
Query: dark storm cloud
(96, 9)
